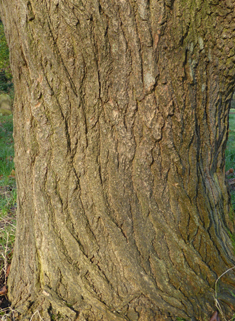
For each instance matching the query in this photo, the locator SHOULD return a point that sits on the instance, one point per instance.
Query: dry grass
(7, 210)
(217, 304)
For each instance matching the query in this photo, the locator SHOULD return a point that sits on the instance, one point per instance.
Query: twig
(36, 312)
(217, 304)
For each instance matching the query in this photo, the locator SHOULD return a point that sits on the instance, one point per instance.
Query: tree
(120, 126)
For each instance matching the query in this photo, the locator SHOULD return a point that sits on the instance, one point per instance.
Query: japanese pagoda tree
(120, 126)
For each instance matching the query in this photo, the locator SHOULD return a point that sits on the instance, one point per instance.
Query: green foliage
(230, 152)
(4, 52)
(6, 84)
(7, 186)
(6, 146)
(230, 163)
(230, 149)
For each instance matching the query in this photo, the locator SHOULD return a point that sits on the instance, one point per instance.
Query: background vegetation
(6, 85)
(7, 187)
(7, 179)
(230, 157)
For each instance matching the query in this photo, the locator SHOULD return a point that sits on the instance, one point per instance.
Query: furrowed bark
(120, 128)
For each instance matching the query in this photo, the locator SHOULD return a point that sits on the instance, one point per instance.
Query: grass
(230, 153)
(7, 196)
(230, 149)
(7, 204)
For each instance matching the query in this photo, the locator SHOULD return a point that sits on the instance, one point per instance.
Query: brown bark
(120, 127)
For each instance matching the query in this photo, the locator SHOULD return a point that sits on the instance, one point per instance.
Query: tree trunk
(120, 127)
